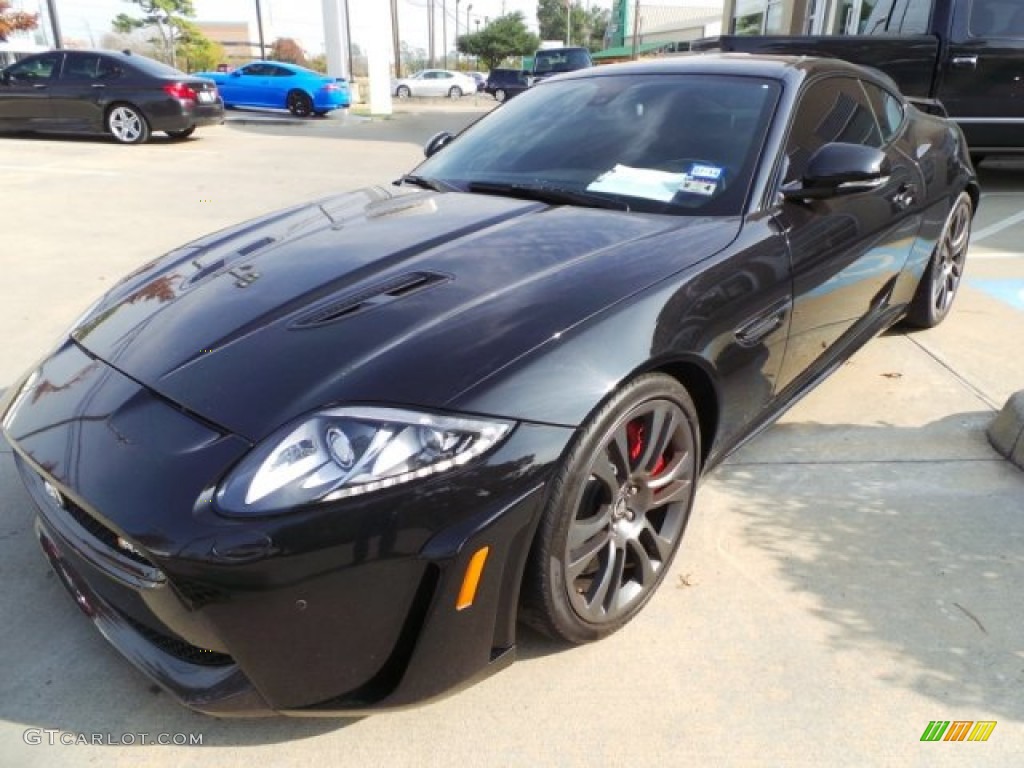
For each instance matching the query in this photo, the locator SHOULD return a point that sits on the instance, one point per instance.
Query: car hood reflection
(373, 297)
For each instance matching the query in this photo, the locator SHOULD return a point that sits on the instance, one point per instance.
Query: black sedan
(123, 94)
(324, 461)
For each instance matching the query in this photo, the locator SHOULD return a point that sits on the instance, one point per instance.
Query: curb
(1006, 432)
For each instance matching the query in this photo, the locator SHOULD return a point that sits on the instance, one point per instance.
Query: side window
(258, 70)
(877, 20)
(996, 18)
(36, 68)
(79, 66)
(910, 17)
(834, 109)
(888, 110)
(281, 72)
(108, 69)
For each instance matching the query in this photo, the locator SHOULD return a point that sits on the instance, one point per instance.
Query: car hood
(376, 297)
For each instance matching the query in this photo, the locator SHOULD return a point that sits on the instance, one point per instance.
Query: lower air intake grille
(178, 648)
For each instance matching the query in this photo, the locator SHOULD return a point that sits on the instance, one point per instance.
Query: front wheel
(615, 514)
(127, 124)
(299, 104)
(455, 92)
(939, 284)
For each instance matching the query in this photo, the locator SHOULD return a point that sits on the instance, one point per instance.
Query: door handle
(98, 86)
(905, 197)
(965, 62)
(39, 86)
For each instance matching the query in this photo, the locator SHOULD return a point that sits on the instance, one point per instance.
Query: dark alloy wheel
(616, 513)
(939, 284)
(127, 124)
(299, 104)
(183, 134)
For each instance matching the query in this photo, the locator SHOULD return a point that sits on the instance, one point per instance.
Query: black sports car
(323, 462)
(123, 94)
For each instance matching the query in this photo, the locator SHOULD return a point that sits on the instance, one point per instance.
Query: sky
(89, 20)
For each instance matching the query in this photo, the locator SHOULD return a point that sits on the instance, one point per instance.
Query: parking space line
(997, 227)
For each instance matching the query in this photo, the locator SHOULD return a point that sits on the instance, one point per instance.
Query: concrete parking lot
(849, 576)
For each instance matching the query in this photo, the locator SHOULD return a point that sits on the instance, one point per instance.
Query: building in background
(794, 17)
(655, 27)
(236, 37)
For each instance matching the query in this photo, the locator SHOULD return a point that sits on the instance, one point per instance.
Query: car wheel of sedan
(499, 95)
(184, 134)
(299, 104)
(127, 124)
(938, 286)
(403, 92)
(455, 92)
(615, 514)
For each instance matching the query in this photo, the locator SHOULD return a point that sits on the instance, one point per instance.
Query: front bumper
(331, 611)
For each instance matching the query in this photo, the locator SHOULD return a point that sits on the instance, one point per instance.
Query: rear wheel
(184, 134)
(616, 513)
(455, 92)
(127, 124)
(500, 95)
(939, 284)
(299, 104)
(403, 92)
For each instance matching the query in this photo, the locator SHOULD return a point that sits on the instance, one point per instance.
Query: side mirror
(437, 142)
(840, 169)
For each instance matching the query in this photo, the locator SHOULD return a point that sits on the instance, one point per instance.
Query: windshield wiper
(548, 194)
(423, 183)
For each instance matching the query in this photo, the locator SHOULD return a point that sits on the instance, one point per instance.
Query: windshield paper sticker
(706, 172)
(639, 182)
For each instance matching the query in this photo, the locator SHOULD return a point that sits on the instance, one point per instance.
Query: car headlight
(343, 452)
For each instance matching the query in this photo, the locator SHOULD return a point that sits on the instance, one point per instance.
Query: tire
(178, 135)
(937, 289)
(455, 92)
(299, 104)
(500, 95)
(127, 124)
(615, 514)
(403, 92)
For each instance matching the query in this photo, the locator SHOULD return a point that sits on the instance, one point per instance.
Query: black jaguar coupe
(324, 462)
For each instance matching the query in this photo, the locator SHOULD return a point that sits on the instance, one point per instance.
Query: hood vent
(373, 296)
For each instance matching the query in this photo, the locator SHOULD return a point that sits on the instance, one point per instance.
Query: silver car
(434, 82)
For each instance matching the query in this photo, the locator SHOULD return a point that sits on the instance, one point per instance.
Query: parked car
(279, 85)
(554, 61)
(503, 84)
(479, 78)
(434, 82)
(120, 93)
(963, 58)
(320, 462)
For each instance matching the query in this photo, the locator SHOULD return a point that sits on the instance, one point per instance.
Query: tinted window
(996, 18)
(682, 144)
(36, 68)
(878, 19)
(888, 109)
(80, 66)
(910, 17)
(560, 61)
(835, 109)
(151, 67)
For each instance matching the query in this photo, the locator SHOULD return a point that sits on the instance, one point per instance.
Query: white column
(335, 41)
(379, 55)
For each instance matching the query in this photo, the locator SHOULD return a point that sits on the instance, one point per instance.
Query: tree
(587, 28)
(287, 50)
(505, 36)
(200, 54)
(15, 21)
(170, 19)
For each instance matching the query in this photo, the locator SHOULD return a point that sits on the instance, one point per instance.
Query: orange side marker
(471, 580)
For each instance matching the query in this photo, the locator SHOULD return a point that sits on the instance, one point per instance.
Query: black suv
(505, 83)
(552, 61)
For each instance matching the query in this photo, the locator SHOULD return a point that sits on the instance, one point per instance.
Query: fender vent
(373, 296)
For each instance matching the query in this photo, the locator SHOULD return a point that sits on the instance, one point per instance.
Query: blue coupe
(278, 85)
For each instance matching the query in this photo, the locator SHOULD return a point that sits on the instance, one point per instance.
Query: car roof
(787, 68)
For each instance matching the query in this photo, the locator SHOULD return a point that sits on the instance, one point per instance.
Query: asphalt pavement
(849, 576)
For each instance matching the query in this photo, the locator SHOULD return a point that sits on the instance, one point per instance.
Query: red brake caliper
(635, 438)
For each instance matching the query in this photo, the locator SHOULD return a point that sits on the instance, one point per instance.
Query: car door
(25, 91)
(246, 86)
(982, 77)
(846, 251)
(433, 84)
(280, 83)
(77, 96)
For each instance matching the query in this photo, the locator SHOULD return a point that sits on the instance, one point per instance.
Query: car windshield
(679, 144)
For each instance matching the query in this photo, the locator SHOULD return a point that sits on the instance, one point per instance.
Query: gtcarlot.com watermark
(54, 737)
